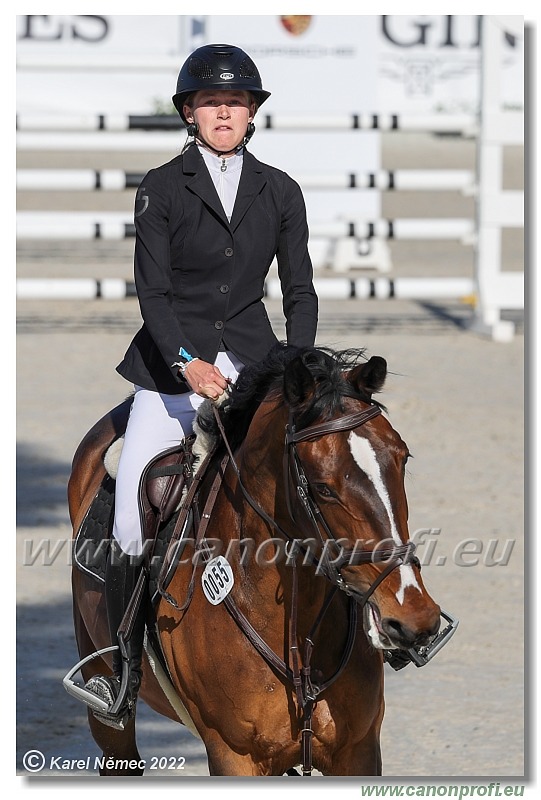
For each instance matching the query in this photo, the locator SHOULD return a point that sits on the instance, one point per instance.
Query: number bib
(217, 580)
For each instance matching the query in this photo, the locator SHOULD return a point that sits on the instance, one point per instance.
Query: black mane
(265, 380)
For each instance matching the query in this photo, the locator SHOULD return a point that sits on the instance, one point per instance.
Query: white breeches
(156, 423)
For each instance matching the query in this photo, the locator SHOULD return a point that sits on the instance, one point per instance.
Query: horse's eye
(323, 490)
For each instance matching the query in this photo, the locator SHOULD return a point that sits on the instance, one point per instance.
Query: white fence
(111, 180)
(357, 242)
(464, 124)
(119, 225)
(495, 289)
(380, 288)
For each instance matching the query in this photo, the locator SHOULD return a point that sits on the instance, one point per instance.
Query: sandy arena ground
(455, 397)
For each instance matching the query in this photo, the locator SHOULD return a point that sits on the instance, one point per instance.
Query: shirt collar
(214, 163)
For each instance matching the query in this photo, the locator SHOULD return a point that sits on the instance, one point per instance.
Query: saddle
(163, 484)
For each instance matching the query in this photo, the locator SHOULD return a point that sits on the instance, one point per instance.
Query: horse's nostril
(397, 632)
(403, 636)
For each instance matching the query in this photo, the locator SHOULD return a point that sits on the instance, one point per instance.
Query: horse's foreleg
(119, 749)
(225, 762)
(362, 758)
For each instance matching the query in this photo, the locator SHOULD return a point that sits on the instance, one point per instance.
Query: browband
(333, 426)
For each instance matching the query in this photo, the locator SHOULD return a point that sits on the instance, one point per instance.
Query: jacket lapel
(251, 183)
(200, 182)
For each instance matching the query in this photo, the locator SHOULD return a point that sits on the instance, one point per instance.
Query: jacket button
(218, 325)
(224, 288)
(228, 251)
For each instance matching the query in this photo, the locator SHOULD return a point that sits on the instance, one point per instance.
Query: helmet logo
(227, 76)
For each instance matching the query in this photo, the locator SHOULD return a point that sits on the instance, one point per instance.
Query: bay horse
(312, 515)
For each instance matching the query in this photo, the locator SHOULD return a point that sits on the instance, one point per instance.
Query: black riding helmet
(218, 66)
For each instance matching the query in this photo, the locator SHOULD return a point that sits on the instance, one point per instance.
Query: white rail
(382, 180)
(119, 225)
(328, 288)
(494, 128)
(465, 124)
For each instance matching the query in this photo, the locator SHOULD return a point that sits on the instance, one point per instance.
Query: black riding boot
(121, 577)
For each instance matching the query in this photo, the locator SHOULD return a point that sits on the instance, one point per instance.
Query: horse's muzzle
(405, 637)
(395, 637)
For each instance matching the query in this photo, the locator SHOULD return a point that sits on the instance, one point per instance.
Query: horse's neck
(259, 550)
(274, 585)
(284, 615)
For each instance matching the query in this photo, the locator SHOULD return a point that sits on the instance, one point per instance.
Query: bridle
(294, 475)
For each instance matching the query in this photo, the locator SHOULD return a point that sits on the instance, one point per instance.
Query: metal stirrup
(81, 692)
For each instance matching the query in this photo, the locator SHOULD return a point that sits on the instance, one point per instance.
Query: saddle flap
(165, 483)
(162, 485)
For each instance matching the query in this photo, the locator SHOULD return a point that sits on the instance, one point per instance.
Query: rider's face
(222, 116)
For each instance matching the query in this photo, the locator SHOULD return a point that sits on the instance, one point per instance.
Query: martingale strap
(279, 664)
(306, 691)
(257, 641)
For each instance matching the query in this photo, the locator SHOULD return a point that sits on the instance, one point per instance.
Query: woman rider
(209, 224)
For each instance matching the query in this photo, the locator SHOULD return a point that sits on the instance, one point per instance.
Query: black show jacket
(200, 279)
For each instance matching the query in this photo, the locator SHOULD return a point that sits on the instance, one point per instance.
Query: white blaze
(365, 457)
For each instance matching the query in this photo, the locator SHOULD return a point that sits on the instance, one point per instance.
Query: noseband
(294, 475)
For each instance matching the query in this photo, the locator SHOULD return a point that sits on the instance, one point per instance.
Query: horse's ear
(299, 384)
(370, 377)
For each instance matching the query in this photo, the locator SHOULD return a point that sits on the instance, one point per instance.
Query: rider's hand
(205, 379)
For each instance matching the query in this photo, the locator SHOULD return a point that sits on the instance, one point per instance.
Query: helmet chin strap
(193, 130)
(220, 153)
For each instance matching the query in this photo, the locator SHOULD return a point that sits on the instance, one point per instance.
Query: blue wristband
(186, 359)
